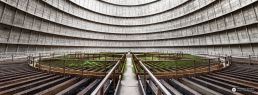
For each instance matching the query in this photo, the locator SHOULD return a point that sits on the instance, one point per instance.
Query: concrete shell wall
(225, 27)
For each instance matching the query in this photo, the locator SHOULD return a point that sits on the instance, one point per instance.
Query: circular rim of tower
(129, 5)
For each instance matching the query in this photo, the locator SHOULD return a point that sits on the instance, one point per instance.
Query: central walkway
(129, 84)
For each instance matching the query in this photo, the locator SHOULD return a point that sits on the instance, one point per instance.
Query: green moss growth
(186, 61)
(76, 63)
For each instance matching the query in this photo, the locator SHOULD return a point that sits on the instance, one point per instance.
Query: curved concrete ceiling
(120, 11)
(129, 3)
(203, 26)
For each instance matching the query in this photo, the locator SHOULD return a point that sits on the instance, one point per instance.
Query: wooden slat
(18, 76)
(86, 90)
(217, 86)
(21, 79)
(72, 87)
(185, 87)
(232, 81)
(15, 89)
(236, 80)
(200, 88)
(55, 89)
(241, 76)
(10, 85)
(40, 86)
(170, 88)
(153, 87)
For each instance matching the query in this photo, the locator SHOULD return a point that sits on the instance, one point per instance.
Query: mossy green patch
(76, 63)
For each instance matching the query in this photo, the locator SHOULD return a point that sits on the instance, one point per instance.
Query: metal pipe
(141, 85)
(102, 83)
(155, 80)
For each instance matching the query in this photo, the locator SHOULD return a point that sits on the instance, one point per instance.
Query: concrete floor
(129, 84)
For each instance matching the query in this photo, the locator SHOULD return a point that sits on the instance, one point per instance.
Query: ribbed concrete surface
(129, 84)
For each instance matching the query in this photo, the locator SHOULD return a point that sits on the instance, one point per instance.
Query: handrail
(155, 80)
(102, 83)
